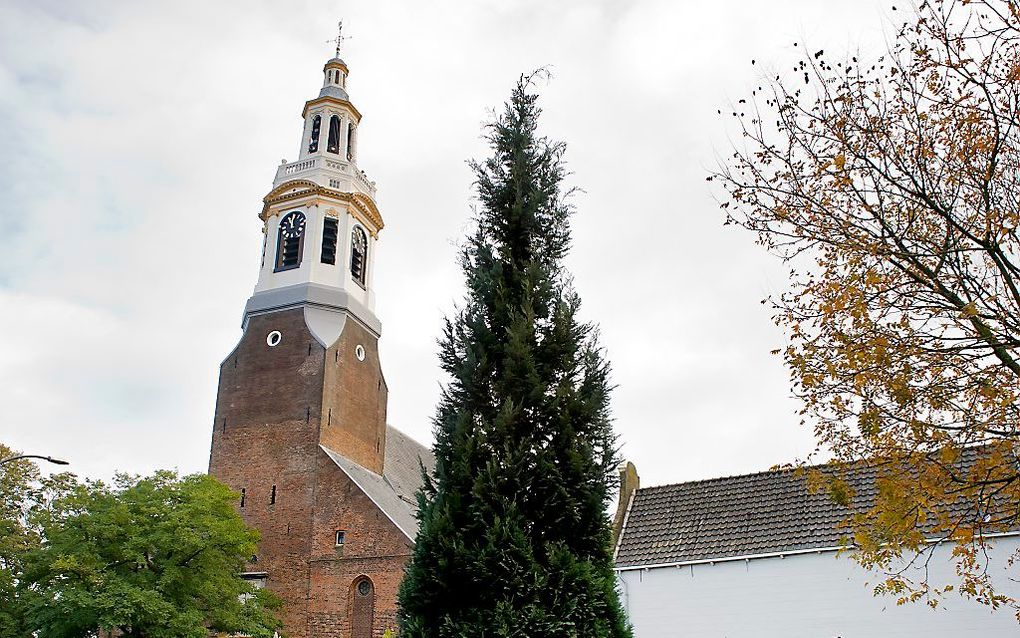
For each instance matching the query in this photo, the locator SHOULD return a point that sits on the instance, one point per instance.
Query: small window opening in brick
(309, 348)
(272, 496)
(223, 428)
(308, 414)
(336, 356)
(242, 496)
(329, 417)
(340, 537)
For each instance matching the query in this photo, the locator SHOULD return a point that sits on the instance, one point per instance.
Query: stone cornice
(303, 188)
(335, 101)
(336, 64)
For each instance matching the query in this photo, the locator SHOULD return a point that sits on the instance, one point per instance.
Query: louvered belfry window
(330, 230)
(359, 254)
(313, 143)
(350, 142)
(333, 144)
(289, 241)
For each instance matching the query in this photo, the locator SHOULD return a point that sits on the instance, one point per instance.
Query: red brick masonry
(274, 408)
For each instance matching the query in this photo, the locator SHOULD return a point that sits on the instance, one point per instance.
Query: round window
(364, 588)
(359, 352)
(273, 338)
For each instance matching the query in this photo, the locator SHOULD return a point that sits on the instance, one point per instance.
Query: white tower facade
(321, 221)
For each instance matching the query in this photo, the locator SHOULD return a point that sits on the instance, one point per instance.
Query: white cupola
(320, 218)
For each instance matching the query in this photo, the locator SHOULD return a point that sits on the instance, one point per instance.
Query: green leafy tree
(514, 538)
(19, 491)
(155, 557)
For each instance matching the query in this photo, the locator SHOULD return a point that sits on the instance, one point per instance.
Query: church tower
(300, 426)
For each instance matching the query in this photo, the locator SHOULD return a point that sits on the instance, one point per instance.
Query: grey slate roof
(394, 491)
(764, 513)
(401, 465)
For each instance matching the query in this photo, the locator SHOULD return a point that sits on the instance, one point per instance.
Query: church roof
(393, 492)
(401, 467)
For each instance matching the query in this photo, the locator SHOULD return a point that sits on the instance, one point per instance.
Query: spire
(334, 82)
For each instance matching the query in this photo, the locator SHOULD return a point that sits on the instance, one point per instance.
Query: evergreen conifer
(514, 538)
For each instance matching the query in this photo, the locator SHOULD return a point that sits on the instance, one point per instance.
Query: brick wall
(373, 547)
(354, 399)
(273, 407)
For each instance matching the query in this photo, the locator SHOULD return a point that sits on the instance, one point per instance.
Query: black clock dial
(292, 226)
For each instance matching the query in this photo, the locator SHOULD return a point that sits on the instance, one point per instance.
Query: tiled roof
(764, 513)
(394, 491)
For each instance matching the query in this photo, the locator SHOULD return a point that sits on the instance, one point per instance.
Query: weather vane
(340, 37)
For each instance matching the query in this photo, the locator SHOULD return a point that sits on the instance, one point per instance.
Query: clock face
(292, 226)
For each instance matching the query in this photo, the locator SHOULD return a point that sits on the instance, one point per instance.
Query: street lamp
(34, 456)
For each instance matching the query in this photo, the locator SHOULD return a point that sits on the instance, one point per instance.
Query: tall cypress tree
(514, 539)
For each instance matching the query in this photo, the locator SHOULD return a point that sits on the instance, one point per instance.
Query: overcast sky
(138, 139)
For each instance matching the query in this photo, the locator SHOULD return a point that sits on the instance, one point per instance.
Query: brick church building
(300, 426)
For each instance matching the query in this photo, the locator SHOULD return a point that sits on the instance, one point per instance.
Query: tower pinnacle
(339, 39)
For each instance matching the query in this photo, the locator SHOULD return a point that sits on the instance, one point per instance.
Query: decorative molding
(334, 101)
(337, 63)
(303, 188)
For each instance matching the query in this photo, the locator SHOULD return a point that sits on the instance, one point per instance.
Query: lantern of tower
(321, 221)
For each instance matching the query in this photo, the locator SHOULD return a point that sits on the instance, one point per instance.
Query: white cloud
(140, 137)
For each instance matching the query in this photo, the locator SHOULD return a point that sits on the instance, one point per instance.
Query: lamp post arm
(33, 456)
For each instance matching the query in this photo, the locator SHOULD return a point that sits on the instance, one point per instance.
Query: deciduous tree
(155, 557)
(890, 186)
(19, 492)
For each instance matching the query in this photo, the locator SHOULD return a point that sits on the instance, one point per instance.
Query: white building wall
(805, 596)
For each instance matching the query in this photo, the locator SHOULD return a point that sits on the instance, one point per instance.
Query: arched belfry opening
(313, 143)
(362, 607)
(333, 144)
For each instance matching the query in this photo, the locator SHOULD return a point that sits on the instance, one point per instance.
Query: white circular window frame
(274, 338)
(359, 352)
